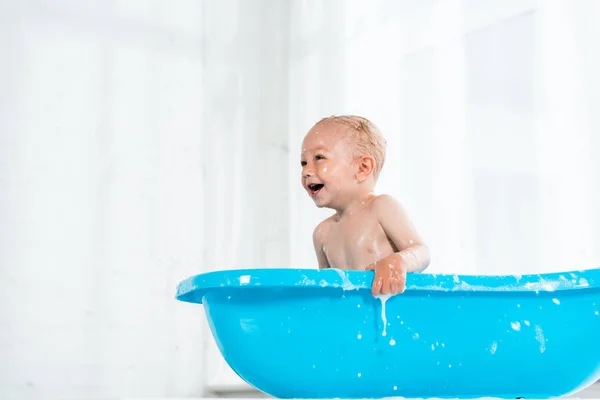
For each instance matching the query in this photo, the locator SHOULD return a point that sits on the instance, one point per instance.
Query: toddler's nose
(307, 172)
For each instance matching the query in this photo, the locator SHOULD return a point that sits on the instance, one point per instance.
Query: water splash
(494, 347)
(346, 284)
(383, 298)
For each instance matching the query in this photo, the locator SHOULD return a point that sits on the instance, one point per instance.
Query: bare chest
(356, 243)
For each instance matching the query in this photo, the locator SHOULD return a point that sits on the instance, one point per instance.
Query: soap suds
(383, 298)
(539, 335)
(346, 284)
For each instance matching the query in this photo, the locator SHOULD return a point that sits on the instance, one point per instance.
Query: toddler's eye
(303, 163)
(320, 157)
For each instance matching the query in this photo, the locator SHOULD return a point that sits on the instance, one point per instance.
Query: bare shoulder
(385, 203)
(322, 229)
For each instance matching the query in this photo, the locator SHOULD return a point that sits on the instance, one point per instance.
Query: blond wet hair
(366, 138)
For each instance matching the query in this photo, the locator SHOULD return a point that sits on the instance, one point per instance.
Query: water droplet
(526, 322)
(359, 336)
(358, 305)
(359, 374)
(518, 306)
(432, 347)
(314, 366)
(392, 342)
(516, 325)
(395, 387)
(449, 365)
(443, 345)
(416, 336)
(596, 313)
(494, 347)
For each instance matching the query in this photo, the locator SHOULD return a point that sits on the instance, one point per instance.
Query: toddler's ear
(366, 165)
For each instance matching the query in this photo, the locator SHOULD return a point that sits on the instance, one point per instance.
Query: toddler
(342, 157)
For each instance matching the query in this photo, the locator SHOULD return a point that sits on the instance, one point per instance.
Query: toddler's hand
(390, 277)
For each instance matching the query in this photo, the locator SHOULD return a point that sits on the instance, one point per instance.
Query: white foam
(383, 298)
(539, 335)
(244, 279)
(346, 284)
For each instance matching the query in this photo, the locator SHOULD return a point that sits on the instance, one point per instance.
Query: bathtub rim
(193, 288)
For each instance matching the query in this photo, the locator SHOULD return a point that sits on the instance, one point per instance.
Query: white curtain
(145, 141)
(101, 198)
(488, 108)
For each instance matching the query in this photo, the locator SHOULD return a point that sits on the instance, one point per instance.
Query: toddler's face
(327, 169)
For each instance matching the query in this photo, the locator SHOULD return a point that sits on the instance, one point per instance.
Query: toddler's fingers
(385, 286)
(377, 283)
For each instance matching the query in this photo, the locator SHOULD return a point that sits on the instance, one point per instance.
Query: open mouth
(315, 188)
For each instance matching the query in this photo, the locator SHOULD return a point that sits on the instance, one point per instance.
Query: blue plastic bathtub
(295, 333)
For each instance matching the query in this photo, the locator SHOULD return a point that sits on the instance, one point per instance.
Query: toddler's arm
(412, 252)
(318, 243)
